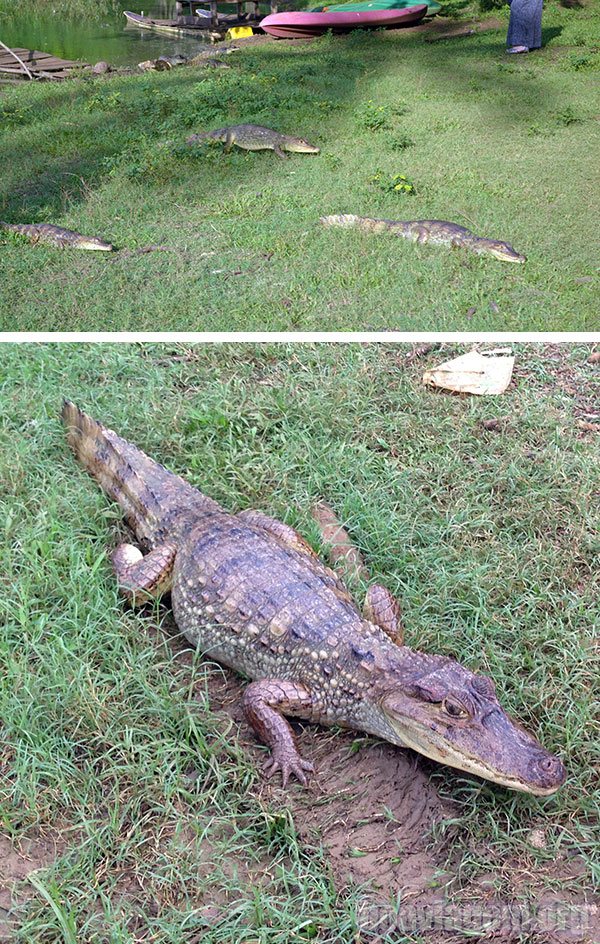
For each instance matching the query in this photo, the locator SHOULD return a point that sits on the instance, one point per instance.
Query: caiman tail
(345, 219)
(350, 220)
(155, 501)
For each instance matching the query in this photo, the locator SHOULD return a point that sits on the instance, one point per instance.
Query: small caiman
(56, 236)
(256, 138)
(440, 232)
(251, 593)
(163, 63)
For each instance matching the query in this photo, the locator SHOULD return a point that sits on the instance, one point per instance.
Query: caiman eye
(454, 709)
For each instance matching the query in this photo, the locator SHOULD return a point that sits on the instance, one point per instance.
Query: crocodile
(440, 232)
(56, 236)
(252, 594)
(256, 138)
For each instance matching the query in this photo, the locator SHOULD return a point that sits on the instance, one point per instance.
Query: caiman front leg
(265, 703)
(144, 578)
(382, 608)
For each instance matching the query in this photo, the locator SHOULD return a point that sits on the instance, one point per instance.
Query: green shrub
(397, 183)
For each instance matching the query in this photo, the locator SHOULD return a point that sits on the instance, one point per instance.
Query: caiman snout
(546, 773)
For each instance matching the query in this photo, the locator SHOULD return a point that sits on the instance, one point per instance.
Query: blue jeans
(525, 24)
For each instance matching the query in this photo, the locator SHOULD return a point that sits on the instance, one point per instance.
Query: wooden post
(214, 13)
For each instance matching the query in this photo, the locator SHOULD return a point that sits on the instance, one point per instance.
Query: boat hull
(297, 25)
(164, 26)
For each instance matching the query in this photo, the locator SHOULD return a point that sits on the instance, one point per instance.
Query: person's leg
(536, 26)
(525, 25)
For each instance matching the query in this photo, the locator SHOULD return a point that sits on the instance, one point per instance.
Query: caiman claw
(288, 763)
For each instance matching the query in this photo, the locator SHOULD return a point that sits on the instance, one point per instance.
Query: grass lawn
(505, 146)
(132, 808)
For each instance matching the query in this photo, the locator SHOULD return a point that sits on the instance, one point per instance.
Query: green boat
(360, 5)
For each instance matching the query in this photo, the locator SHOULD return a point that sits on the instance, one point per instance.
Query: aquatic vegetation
(95, 10)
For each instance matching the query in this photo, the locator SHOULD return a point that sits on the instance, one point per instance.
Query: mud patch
(574, 376)
(369, 805)
(372, 809)
(17, 862)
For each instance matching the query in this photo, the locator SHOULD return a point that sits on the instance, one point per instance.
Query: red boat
(297, 25)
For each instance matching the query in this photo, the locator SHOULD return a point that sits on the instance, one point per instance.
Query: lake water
(100, 37)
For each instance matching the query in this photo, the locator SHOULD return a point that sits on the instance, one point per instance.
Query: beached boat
(203, 20)
(297, 25)
(433, 6)
(183, 26)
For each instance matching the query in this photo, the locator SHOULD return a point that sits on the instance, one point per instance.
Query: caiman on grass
(56, 236)
(256, 138)
(252, 594)
(440, 232)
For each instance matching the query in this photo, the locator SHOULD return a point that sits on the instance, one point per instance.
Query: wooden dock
(39, 65)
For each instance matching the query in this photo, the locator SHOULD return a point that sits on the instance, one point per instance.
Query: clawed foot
(288, 763)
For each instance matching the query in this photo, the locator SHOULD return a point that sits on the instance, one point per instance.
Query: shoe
(516, 49)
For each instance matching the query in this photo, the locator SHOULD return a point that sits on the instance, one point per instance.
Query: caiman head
(503, 251)
(300, 146)
(92, 242)
(454, 717)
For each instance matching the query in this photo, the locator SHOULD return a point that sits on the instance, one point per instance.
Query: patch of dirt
(450, 29)
(17, 862)
(373, 811)
(372, 808)
(369, 804)
(578, 380)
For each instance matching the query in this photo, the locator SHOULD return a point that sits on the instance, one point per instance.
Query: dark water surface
(97, 37)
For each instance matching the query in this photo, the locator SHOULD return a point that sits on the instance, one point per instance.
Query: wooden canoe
(192, 28)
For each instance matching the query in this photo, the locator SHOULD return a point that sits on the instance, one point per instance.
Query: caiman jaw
(506, 253)
(474, 765)
(303, 147)
(97, 244)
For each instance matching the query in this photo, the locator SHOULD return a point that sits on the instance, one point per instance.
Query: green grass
(78, 8)
(109, 744)
(506, 148)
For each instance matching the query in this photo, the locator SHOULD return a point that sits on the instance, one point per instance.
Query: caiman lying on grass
(256, 138)
(440, 232)
(56, 236)
(252, 594)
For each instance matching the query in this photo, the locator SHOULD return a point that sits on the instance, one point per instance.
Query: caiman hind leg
(265, 703)
(277, 528)
(290, 537)
(382, 608)
(421, 235)
(229, 142)
(144, 578)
